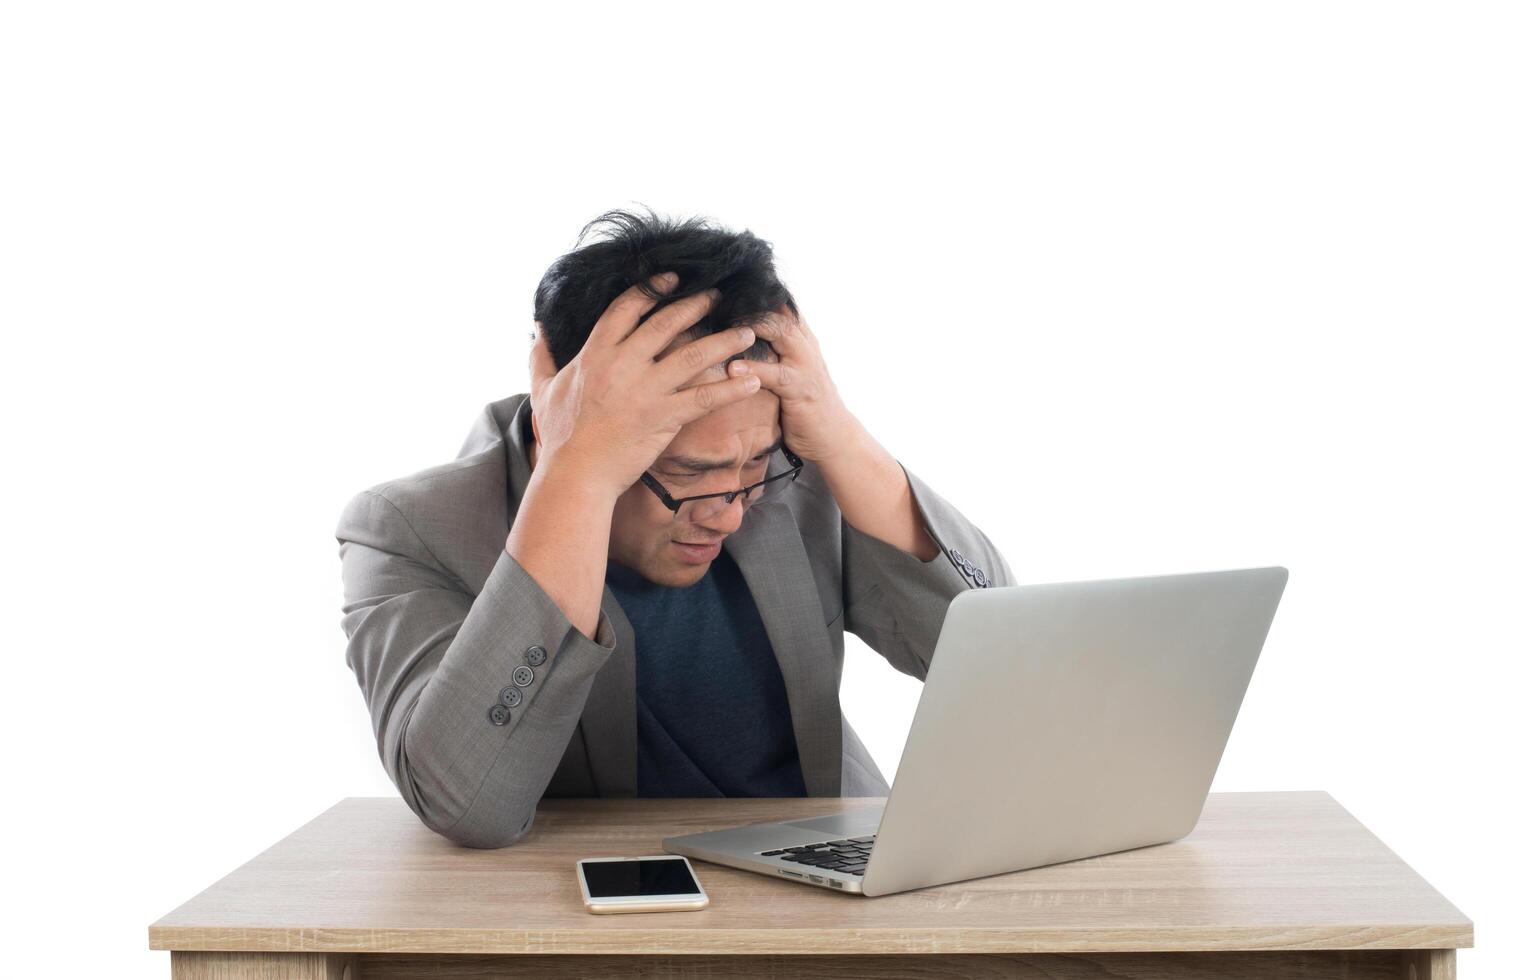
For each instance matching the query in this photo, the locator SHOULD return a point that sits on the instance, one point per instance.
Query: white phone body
(681, 902)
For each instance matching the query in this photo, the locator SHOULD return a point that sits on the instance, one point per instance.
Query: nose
(728, 520)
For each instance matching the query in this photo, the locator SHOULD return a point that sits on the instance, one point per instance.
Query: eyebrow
(699, 465)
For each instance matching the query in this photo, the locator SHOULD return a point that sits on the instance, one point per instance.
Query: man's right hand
(614, 409)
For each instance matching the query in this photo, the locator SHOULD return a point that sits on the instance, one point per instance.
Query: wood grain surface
(1262, 871)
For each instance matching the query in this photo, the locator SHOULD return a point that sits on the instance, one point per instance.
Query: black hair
(629, 249)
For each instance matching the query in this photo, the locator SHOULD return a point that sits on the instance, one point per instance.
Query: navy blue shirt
(711, 711)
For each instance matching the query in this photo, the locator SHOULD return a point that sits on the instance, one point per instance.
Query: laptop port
(790, 874)
(815, 879)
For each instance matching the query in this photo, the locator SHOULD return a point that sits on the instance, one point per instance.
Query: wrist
(579, 474)
(565, 497)
(862, 471)
(852, 449)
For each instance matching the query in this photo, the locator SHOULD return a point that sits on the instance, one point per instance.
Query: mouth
(697, 554)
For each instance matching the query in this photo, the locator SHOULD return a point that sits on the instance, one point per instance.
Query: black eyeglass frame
(674, 504)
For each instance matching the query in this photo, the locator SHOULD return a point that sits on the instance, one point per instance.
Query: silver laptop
(1057, 722)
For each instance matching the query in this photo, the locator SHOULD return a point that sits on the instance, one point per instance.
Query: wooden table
(1268, 885)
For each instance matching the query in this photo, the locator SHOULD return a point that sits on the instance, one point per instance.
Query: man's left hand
(814, 421)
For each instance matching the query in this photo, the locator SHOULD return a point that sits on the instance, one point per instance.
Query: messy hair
(628, 248)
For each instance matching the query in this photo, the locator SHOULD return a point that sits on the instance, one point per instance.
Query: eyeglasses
(694, 510)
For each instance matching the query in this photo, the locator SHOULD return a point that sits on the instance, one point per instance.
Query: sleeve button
(535, 655)
(523, 676)
(499, 714)
(510, 696)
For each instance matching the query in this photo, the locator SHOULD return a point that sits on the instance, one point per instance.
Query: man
(635, 580)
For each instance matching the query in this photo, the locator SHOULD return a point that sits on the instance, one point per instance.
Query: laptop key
(770, 853)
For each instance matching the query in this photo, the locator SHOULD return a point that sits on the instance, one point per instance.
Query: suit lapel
(769, 552)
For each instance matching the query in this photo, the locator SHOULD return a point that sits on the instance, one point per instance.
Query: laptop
(1057, 722)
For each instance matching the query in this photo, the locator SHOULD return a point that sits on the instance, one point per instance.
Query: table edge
(643, 941)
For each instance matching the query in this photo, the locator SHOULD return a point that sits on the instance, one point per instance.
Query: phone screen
(617, 879)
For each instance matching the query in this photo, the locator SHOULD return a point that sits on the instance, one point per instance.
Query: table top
(1261, 871)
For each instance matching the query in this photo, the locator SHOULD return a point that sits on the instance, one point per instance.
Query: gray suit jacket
(438, 616)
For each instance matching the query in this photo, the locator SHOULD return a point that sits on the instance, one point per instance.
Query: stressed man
(635, 580)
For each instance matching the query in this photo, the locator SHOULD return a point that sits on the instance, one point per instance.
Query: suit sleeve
(431, 660)
(895, 602)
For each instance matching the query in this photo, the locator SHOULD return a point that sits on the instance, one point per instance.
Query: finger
(782, 332)
(801, 322)
(778, 376)
(626, 310)
(654, 336)
(688, 360)
(542, 367)
(791, 319)
(691, 403)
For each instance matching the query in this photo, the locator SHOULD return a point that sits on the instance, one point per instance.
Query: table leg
(1430, 964)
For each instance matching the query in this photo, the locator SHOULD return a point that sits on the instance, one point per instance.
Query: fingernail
(747, 334)
(668, 280)
(737, 367)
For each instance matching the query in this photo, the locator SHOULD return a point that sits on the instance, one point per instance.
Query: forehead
(718, 433)
(747, 424)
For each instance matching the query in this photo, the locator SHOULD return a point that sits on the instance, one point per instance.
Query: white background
(1141, 289)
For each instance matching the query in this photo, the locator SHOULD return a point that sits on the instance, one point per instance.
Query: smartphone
(663, 883)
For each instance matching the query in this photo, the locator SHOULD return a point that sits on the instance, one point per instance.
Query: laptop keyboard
(847, 855)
